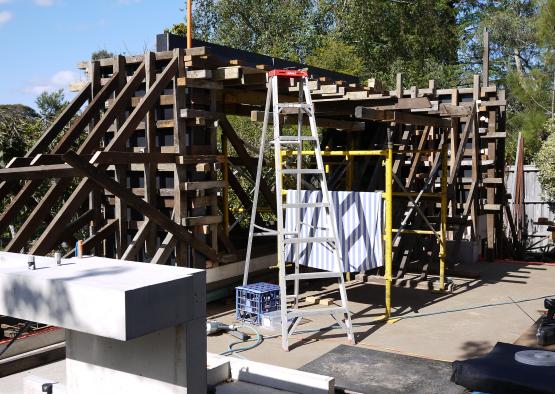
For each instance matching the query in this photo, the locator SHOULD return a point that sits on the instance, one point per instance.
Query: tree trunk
(518, 62)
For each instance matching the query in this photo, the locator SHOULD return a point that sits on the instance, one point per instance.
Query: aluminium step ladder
(290, 317)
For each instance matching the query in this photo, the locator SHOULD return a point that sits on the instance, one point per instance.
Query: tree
(50, 104)
(545, 162)
(20, 126)
(179, 29)
(337, 55)
(379, 37)
(101, 54)
(288, 29)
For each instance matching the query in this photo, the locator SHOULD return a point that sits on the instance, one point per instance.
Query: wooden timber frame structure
(140, 164)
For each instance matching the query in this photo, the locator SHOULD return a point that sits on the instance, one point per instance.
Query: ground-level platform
(436, 326)
(440, 336)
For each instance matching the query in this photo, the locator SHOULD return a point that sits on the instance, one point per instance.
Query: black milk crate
(254, 300)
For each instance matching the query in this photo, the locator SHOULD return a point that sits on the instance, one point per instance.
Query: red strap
(288, 73)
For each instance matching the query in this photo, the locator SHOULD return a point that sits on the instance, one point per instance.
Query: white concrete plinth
(172, 360)
(131, 327)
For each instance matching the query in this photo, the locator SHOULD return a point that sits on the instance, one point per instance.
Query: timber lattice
(136, 162)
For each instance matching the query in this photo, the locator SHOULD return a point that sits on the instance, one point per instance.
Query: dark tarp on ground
(499, 372)
(371, 371)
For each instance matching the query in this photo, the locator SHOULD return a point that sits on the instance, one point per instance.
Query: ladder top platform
(288, 73)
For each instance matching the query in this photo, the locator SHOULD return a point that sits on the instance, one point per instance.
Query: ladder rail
(257, 187)
(294, 240)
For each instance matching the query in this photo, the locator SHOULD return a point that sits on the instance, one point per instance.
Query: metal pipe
(377, 152)
(388, 223)
(413, 231)
(226, 188)
(443, 229)
(189, 23)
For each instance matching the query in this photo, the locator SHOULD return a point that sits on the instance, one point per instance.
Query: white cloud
(59, 80)
(44, 3)
(5, 17)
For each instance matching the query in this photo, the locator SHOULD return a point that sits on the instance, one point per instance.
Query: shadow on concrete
(23, 299)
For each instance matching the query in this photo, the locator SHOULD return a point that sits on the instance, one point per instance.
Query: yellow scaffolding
(388, 197)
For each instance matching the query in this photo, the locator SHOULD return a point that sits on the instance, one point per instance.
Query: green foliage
(546, 20)
(529, 109)
(399, 36)
(179, 29)
(50, 104)
(366, 38)
(546, 162)
(289, 29)
(337, 55)
(20, 126)
(101, 54)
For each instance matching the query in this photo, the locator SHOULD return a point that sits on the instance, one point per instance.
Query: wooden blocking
(203, 167)
(369, 113)
(254, 79)
(492, 208)
(190, 186)
(227, 73)
(312, 300)
(326, 301)
(202, 220)
(199, 74)
(190, 113)
(492, 182)
(199, 83)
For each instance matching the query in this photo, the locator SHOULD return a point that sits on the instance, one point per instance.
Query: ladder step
(306, 205)
(265, 234)
(302, 171)
(312, 275)
(308, 240)
(288, 139)
(271, 233)
(316, 311)
(294, 105)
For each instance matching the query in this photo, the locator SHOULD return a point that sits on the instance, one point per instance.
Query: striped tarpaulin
(359, 223)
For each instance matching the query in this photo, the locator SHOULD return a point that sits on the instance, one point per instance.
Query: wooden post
(150, 168)
(94, 196)
(180, 143)
(490, 218)
(454, 147)
(485, 59)
(121, 170)
(476, 163)
(399, 85)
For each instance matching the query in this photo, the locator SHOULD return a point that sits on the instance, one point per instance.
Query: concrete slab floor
(442, 336)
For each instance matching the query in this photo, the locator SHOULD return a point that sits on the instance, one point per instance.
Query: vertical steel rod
(388, 223)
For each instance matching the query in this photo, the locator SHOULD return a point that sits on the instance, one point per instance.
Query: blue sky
(41, 41)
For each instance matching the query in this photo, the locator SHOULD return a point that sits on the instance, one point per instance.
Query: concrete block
(161, 362)
(326, 301)
(106, 297)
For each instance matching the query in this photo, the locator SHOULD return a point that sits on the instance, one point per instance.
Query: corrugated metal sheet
(535, 206)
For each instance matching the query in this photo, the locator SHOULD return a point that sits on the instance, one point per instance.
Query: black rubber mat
(370, 371)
